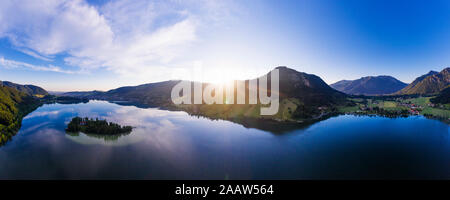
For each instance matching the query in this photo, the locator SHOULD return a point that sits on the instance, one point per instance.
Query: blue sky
(99, 44)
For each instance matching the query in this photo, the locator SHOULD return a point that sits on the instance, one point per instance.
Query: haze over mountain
(370, 85)
(430, 83)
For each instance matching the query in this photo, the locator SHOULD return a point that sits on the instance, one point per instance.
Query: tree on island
(101, 127)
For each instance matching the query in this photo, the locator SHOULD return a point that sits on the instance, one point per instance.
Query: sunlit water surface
(174, 145)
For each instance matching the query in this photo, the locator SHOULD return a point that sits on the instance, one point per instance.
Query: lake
(174, 145)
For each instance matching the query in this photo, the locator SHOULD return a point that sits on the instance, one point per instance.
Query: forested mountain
(370, 85)
(431, 83)
(308, 88)
(416, 81)
(27, 89)
(14, 105)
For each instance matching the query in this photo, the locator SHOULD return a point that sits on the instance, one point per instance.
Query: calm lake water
(174, 145)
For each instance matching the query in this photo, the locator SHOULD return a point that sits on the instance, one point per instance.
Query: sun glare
(222, 77)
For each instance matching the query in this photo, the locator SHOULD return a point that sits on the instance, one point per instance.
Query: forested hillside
(443, 97)
(431, 83)
(14, 105)
(27, 89)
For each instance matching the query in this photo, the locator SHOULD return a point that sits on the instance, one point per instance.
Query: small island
(99, 127)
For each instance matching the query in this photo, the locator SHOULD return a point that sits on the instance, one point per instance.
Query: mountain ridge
(28, 89)
(370, 85)
(430, 83)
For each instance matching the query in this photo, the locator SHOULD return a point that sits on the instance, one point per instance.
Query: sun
(220, 77)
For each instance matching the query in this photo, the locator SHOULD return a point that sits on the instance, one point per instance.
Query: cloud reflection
(162, 143)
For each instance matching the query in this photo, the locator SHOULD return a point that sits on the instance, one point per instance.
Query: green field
(348, 109)
(436, 112)
(422, 101)
(389, 104)
(395, 105)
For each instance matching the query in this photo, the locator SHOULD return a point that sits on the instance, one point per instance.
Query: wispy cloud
(34, 54)
(127, 37)
(12, 64)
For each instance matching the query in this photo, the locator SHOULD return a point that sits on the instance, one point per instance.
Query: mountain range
(370, 85)
(301, 95)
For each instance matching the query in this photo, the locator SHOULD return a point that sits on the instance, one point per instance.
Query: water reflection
(174, 145)
(271, 126)
(86, 138)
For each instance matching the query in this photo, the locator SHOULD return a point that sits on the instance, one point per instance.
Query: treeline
(101, 127)
(9, 99)
(49, 99)
(384, 113)
(390, 97)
